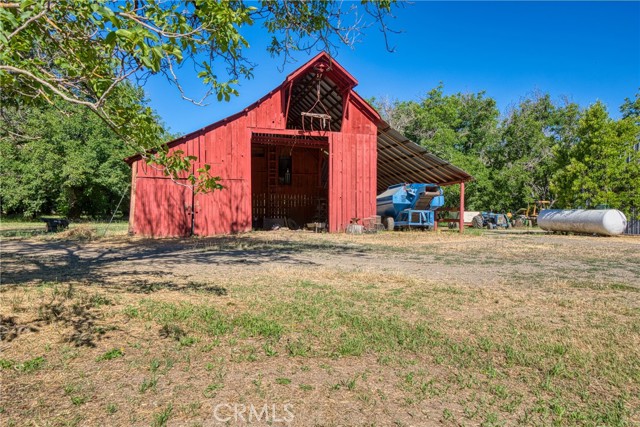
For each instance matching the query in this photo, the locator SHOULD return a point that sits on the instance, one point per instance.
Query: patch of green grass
(246, 353)
(492, 420)
(6, 364)
(283, 381)
(321, 311)
(212, 389)
(211, 345)
(171, 330)
(512, 404)
(306, 387)
(192, 409)
(149, 384)
(154, 365)
(298, 347)
(485, 344)
(448, 290)
(70, 388)
(162, 418)
(269, 350)
(79, 400)
(601, 286)
(132, 312)
(31, 365)
(187, 341)
(351, 345)
(252, 325)
(499, 391)
(349, 384)
(111, 408)
(114, 353)
(258, 385)
(307, 284)
(201, 318)
(98, 300)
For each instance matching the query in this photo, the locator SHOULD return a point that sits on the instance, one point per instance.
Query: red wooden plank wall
(353, 169)
(227, 148)
(225, 211)
(161, 208)
(352, 179)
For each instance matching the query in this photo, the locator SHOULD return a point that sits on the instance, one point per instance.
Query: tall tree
(63, 159)
(631, 108)
(603, 167)
(83, 51)
(460, 128)
(534, 133)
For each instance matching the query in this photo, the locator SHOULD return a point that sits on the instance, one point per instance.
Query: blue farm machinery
(404, 206)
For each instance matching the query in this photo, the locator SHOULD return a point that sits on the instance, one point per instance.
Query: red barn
(311, 149)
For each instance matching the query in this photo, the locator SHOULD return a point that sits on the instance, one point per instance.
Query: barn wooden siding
(353, 178)
(161, 207)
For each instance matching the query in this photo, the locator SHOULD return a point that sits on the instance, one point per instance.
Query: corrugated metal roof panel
(402, 160)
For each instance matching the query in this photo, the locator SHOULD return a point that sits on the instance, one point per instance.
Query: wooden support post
(132, 200)
(461, 207)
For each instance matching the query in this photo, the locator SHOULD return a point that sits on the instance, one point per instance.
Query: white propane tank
(608, 222)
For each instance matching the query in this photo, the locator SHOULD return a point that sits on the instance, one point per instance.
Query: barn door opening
(289, 180)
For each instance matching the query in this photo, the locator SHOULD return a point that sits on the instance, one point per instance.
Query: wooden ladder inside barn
(272, 178)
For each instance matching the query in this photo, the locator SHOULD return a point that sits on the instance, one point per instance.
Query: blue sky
(582, 51)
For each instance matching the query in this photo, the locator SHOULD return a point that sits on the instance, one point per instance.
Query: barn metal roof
(402, 160)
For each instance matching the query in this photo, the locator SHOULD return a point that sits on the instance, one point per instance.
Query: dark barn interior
(289, 180)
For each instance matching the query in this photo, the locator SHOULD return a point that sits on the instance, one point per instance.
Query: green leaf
(110, 39)
(122, 33)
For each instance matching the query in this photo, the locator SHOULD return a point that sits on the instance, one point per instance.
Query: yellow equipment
(529, 216)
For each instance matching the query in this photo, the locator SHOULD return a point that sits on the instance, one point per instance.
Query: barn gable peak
(316, 95)
(328, 66)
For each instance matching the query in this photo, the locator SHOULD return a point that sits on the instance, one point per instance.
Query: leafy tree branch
(84, 51)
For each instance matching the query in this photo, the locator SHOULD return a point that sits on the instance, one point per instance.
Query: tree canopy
(83, 52)
(602, 167)
(539, 150)
(62, 158)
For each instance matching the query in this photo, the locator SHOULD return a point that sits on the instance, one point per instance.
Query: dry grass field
(302, 329)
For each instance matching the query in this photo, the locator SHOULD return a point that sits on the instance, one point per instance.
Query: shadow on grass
(27, 261)
(10, 329)
(142, 286)
(81, 311)
(23, 232)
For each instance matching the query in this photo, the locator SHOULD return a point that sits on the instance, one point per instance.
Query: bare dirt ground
(389, 329)
(463, 259)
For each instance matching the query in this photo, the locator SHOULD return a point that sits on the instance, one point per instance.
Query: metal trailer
(404, 205)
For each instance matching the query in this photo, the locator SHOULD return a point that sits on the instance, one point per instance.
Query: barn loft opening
(289, 180)
(316, 101)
